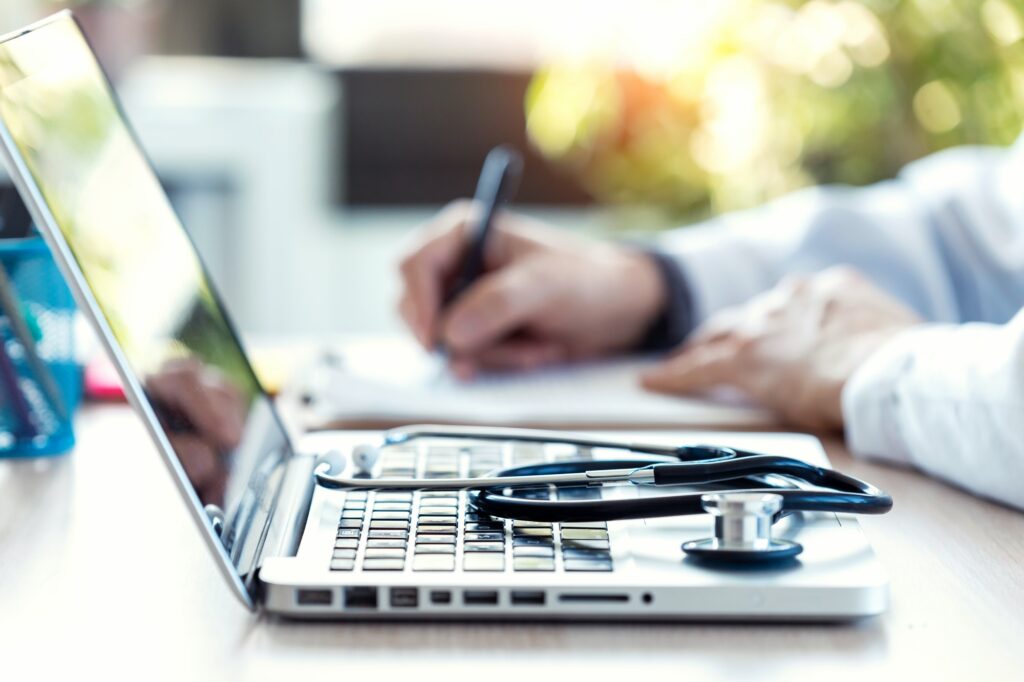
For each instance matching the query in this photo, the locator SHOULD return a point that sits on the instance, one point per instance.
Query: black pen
(498, 182)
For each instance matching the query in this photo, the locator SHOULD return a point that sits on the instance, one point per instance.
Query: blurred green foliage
(770, 96)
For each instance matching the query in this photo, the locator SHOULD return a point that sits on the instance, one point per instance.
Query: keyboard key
(536, 494)
(392, 506)
(383, 564)
(485, 537)
(535, 542)
(348, 532)
(435, 539)
(532, 532)
(527, 453)
(392, 534)
(433, 562)
(445, 450)
(519, 523)
(533, 551)
(475, 517)
(346, 543)
(400, 451)
(435, 529)
(436, 509)
(496, 526)
(589, 554)
(344, 554)
(484, 547)
(439, 494)
(384, 553)
(562, 452)
(440, 520)
(389, 524)
(584, 524)
(389, 515)
(356, 495)
(585, 544)
(355, 504)
(397, 460)
(384, 542)
(584, 534)
(529, 563)
(491, 458)
(435, 549)
(485, 449)
(350, 523)
(394, 497)
(483, 561)
(352, 514)
(342, 564)
(582, 493)
(581, 565)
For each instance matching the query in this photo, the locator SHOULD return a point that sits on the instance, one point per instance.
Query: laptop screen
(147, 282)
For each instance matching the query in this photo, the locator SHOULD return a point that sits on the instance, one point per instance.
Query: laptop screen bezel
(244, 587)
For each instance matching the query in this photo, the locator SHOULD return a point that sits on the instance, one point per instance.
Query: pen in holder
(40, 380)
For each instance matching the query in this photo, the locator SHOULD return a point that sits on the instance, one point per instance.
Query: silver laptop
(285, 545)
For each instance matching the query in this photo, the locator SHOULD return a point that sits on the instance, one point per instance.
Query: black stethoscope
(761, 488)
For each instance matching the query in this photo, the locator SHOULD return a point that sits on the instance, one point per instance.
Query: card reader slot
(579, 597)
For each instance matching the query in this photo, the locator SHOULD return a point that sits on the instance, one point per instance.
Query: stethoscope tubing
(670, 466)
(844, 494)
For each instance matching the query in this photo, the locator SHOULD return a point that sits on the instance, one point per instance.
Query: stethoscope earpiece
(364, 457)
(743, 530)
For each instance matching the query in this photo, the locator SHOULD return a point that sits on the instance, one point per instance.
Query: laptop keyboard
(442, 531)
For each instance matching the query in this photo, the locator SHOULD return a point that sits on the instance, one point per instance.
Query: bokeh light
(705, 107)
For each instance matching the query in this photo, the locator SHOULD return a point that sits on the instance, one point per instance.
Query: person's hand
(791, 349)
(204, 416)
(546, 296)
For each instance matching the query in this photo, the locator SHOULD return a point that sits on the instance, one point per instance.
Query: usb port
(360, 597)
(404, 597)
(527, 598)
(314, 597)
(480, 598)
(440, 597)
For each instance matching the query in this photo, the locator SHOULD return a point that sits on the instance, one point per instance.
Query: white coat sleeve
(946, 237)
(949, 400)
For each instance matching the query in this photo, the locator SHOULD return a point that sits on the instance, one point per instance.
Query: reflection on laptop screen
(142, 270)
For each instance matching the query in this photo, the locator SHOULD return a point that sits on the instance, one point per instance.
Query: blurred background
(303, 140)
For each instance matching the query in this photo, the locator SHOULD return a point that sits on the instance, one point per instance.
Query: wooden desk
(102, 576)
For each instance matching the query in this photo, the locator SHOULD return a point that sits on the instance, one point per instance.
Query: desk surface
(101, 571)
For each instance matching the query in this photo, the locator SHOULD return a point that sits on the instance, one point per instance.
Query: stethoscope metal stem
(638, 476)
(406, 434)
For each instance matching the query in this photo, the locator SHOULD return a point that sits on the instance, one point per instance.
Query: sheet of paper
(391, 378)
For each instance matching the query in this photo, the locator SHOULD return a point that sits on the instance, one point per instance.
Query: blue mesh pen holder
(40, 379)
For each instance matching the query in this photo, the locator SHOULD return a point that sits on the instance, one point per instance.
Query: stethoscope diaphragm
(743, 530)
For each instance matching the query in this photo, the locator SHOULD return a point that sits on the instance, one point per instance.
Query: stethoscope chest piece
(743, 530)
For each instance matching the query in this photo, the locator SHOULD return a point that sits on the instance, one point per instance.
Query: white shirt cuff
(871, 399)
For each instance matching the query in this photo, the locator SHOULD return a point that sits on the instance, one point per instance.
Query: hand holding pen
(538, 296)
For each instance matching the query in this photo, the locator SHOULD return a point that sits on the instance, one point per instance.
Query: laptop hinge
(292, 508)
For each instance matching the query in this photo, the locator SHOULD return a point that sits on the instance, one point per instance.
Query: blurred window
(518, 36)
